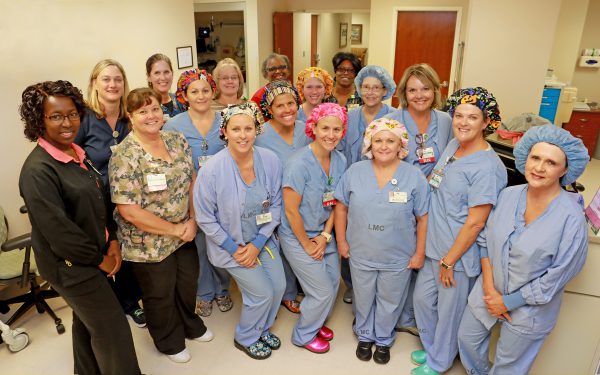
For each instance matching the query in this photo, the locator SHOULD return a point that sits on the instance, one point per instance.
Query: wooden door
(425, 37)
(314, 25)
(283, 35)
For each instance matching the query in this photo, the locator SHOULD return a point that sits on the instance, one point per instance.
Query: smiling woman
(159, 73)
(74, 252)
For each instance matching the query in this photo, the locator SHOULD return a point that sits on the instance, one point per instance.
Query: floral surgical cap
(381, 124)
(274, 89)
(314, 72)
(186, 78)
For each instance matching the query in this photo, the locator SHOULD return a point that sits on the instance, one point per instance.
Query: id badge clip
(266, 216)
(397, 196)
(428, 156)
(436, 178)
(328, 199)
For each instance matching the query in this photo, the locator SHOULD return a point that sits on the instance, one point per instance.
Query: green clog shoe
(423, 370)
(418, 357)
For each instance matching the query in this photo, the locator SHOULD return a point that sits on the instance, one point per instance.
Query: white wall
(587, 80)
(569, 29)
(363, 19)
(51, 40)
(302, 29)
(508, 49)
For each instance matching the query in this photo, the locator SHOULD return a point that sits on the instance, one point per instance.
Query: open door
(425, 37)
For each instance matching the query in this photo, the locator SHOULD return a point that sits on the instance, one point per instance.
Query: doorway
(427, 37)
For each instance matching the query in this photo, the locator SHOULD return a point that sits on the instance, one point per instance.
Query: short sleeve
(421, 196)
(126, 177)
(485, 187)
(342, 190)
(295, 176)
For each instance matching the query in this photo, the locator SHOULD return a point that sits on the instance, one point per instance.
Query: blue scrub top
(200, 146)
(256, 194)
(220, 198)
(304, 174)
(382, 234)
(271, 140)
(532, 262)
(301, 116)
(351, 144)
(95, 136)
(469, 181)
(439, 133)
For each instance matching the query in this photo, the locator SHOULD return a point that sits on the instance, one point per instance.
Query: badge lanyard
(397, 196)
(424, 154)
(328, 199)
(204, 157)
(438, 174)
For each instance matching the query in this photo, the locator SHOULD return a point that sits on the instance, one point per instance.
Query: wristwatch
(327, 236)
(446, 265)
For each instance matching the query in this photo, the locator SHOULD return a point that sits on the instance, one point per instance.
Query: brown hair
(154, 59)
(428, 76)
(140, 97)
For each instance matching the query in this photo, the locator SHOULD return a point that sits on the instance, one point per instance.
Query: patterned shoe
(224, 303)
(258, 350)
(270, 339)
(203, 308)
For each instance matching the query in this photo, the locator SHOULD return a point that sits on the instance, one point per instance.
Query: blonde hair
(223, 63)
(428, 76)
(92, 93)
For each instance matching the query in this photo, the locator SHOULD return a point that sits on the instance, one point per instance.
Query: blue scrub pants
(320, 280)
(262, 288)
(407, 317)
(515, 351)
(379, 296)
(212, 281)
(438, 312)
(291, 290)
(346, 274)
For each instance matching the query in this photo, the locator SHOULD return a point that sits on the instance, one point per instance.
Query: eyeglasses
(276, 68)
(345, 70)
(374, 89)
(229, 78)
(420, 140)
(58, 118)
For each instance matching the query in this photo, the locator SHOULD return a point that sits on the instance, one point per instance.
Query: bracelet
(446, 265)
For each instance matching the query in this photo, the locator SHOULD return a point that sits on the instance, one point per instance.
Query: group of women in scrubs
(402, 195)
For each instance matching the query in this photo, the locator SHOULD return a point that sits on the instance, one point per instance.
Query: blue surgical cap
(576, 153)
(381, 74)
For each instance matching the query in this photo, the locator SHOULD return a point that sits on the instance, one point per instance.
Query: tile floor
(50, 353)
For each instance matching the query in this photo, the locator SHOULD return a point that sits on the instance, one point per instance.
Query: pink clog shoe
(325, 333)
(318, 345)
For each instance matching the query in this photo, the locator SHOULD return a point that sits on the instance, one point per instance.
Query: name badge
(264, 218)
(436, 178)
(328, 199)
(428, 156)
(202, 160)
(156, 182)
(398, 197)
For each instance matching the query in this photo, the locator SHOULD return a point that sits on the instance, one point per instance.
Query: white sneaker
(206, 337)
(181, 357)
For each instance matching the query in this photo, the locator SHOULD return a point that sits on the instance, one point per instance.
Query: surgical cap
(186, 78)
(274, 89)
(381, 74)
(324, 110)
(381, 124)
(479, 97)
(575, 152)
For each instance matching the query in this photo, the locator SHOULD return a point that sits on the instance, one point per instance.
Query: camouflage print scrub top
(129, 169)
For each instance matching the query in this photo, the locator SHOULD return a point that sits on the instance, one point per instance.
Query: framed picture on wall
(343, 35)
(356, 34)
(184, 57)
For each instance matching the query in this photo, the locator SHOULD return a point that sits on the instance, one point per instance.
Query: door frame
(457, 40)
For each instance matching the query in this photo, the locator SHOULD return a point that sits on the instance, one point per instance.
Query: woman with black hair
(346, 66)
(74, 251)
